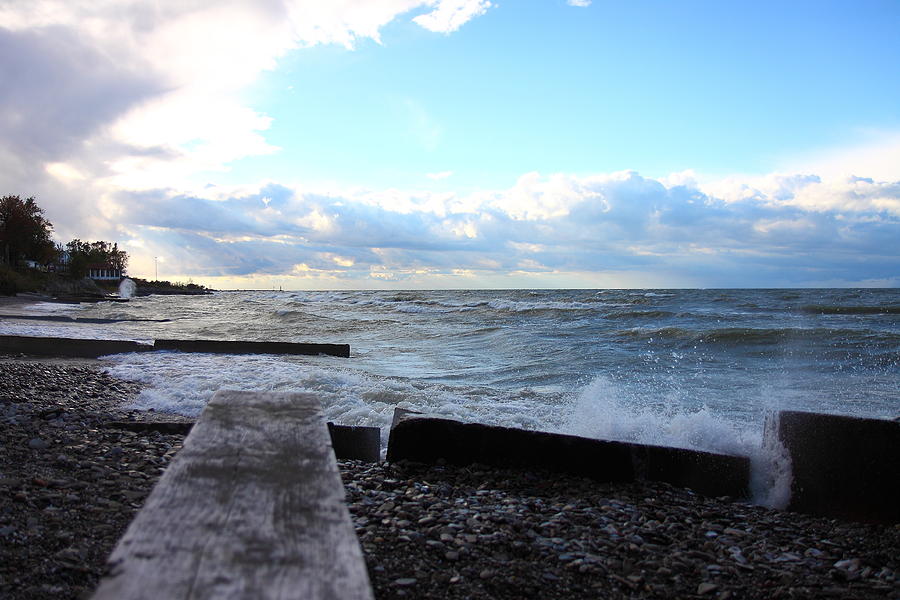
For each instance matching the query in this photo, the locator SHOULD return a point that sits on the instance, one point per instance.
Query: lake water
(690, 368)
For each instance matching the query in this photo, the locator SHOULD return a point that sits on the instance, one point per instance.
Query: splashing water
(127, 288)
(606, 410)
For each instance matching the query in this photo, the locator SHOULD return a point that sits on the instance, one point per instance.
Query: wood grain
(251, 507)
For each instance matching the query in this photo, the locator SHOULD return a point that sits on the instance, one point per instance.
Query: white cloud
(450, 15)
(439, 175)
(135, 95)
(535, 198)
(579, 3)
(119, 104)
(811, 192)
(559, 224)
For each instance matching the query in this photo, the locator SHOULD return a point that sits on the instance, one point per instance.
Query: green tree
(24, 232)
(83, 254)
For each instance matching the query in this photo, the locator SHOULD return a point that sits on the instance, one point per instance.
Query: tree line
(25, 235)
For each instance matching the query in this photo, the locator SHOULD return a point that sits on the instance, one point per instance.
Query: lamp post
(156, 268)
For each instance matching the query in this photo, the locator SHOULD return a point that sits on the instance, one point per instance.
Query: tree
(84, 254)
(24, 232)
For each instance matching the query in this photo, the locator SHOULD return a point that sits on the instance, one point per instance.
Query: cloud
(812, 192)
(117, 108)
(131, 94)
(579, 3)
(450, 15)
(542, 226)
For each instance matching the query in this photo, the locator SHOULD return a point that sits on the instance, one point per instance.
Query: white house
(104, 272)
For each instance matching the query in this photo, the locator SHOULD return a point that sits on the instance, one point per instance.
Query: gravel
(72, 476)
(481, 532)
(69, 486)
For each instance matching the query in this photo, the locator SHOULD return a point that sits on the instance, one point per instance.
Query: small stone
(70, 554)
(706, 588)
(849, 564)
(405, 581)
(38, 444)
(451, 555)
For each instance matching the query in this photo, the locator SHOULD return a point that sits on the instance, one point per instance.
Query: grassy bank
(15, 281)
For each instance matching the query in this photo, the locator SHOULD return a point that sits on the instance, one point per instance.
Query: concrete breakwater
(842, 467)
(92, 348)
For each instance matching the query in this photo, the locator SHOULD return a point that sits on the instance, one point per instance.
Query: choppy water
(692, 368)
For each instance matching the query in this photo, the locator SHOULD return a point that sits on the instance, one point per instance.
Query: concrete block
(425, 439)
(704, 472)
(356, 443)
(429, 440)
(45, 346)
(239, 347)
(843, 467)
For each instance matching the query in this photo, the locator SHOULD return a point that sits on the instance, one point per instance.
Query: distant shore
(71, 481)
(60, 287)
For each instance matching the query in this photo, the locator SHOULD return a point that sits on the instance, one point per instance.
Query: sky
(401, 144)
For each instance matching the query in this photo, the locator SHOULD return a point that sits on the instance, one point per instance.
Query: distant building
(103, 272)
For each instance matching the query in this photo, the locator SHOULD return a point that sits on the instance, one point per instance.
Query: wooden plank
(251, 507)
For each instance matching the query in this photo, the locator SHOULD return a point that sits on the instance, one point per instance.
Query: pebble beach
(73, 474)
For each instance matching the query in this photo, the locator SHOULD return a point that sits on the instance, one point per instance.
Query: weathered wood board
(251, 507)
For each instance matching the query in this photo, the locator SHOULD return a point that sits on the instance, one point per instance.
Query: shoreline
(69, 486)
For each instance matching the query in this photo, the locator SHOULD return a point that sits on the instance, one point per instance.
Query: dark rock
(38, 444)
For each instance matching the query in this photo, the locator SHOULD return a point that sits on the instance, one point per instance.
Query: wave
(412, 303)
(518, 306)
(639, 314)
(293, 316)
(605, 409)
(824, 309)
(759, 336)
(183, 383)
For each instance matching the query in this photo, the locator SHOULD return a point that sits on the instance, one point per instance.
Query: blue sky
(464, 143)
(658, 87)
